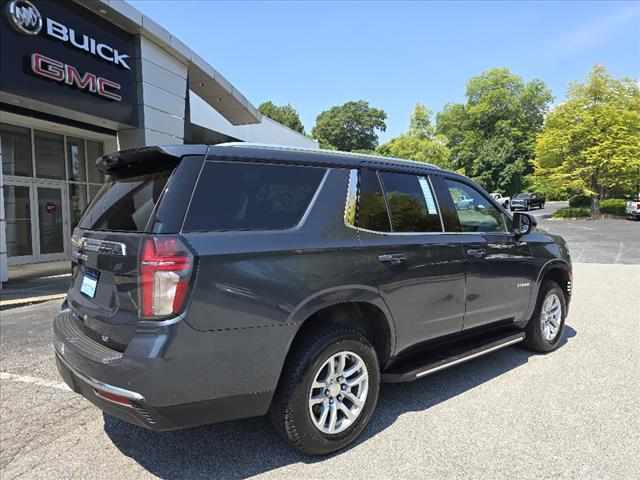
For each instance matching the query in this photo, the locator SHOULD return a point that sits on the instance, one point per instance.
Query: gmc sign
(61, 72)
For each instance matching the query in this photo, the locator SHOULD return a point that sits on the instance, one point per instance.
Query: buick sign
(24, 17)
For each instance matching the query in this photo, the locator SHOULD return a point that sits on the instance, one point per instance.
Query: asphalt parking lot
(569, 414)
(610, 240)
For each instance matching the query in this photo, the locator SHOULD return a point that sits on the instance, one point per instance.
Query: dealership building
(82, 78)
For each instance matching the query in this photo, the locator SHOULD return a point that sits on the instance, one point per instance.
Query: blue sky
(393, 54)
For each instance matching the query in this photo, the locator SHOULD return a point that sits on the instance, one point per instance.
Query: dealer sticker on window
(428, 196)
(89, 284)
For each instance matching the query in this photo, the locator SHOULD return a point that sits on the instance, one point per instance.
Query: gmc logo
(60, 72)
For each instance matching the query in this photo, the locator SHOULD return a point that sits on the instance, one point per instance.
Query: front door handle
(476, 252)
(392, 258)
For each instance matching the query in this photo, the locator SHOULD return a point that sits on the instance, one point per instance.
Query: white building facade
(79, 79)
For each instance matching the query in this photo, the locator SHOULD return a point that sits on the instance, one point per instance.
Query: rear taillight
(638, 205)
(166, 265)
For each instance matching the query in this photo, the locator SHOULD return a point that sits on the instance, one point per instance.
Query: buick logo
(24, 17)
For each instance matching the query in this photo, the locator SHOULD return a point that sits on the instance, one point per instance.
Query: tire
(535, 338)
(290, 411)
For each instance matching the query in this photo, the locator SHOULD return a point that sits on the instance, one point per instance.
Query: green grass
(572, 213)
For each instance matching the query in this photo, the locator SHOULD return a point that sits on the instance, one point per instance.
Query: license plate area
(90, 283)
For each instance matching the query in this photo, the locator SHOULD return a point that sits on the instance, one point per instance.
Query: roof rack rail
(324, 150)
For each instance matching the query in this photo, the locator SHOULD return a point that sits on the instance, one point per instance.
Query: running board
(439, 361)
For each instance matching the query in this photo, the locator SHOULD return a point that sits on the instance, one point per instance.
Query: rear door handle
(392, 258)
(476, 252)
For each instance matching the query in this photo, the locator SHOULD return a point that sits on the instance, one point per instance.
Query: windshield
(521, 195)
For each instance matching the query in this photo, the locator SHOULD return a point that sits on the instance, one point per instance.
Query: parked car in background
(504, 201)
(238, 280)
(464, 202)
(633, 207)
(527, 201)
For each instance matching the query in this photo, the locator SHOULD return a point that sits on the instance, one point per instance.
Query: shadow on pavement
(244, 448)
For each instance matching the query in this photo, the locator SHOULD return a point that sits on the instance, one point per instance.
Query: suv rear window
(125, 204)
(251, 196)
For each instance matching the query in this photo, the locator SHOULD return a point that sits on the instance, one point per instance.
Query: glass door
(52, 213)
(19, 221)
(37, 217)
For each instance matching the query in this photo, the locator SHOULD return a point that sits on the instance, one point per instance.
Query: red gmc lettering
(47, 67)
(60, 72)
(103, 84)
(73, 77)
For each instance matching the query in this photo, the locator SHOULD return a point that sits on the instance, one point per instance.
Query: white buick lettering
(84, 42)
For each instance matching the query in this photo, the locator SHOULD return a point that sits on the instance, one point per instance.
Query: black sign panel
(63, 54)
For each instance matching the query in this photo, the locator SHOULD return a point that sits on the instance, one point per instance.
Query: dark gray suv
(214, 283)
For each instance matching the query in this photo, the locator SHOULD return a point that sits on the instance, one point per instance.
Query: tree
(492, 135)
(420, 143)
(286, 115)
(348, 127)
(591, 142)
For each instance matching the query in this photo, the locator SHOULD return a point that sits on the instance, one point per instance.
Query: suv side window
(251, 196)
(412, 205)
(475, 212)
(372, 209)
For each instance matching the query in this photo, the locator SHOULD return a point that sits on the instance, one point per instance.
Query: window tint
(125, 204)
(248, 196)
(411, 203)
(372, 211)
(475, 212)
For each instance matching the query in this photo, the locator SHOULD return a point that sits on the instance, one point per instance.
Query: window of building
(475, 211)
(16, 150)
(77, 202)
(49, 154)
(245, 196)
(94, 151)
(372, 210)
(76, 160)
(411, 203)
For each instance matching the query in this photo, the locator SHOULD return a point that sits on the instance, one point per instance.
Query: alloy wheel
(338, 392)
(551, 317)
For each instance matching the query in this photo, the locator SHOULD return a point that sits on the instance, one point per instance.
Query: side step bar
(438, 362)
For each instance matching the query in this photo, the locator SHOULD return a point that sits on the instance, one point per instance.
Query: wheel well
(365, 317)
(562, 278)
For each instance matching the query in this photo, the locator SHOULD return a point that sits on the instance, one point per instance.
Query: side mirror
(523, 223)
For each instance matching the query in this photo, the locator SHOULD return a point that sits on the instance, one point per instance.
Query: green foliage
(572, 213)
(286, 115)
(580, 201)
(349, 127)
(420, 143)
(613, 206)
(590, 143)
(492, 135)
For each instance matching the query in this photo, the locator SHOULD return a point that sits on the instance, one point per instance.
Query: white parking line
(62, 275)
(42, 382)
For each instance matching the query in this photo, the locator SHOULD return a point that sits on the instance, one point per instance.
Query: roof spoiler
(135, 161)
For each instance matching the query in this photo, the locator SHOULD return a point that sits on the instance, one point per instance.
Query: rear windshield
(251, 196)
(125, 204)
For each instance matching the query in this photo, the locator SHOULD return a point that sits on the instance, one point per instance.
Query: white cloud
(594, 33)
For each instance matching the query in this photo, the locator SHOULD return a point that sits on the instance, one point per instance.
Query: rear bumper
(141, 413)
(140, 389)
